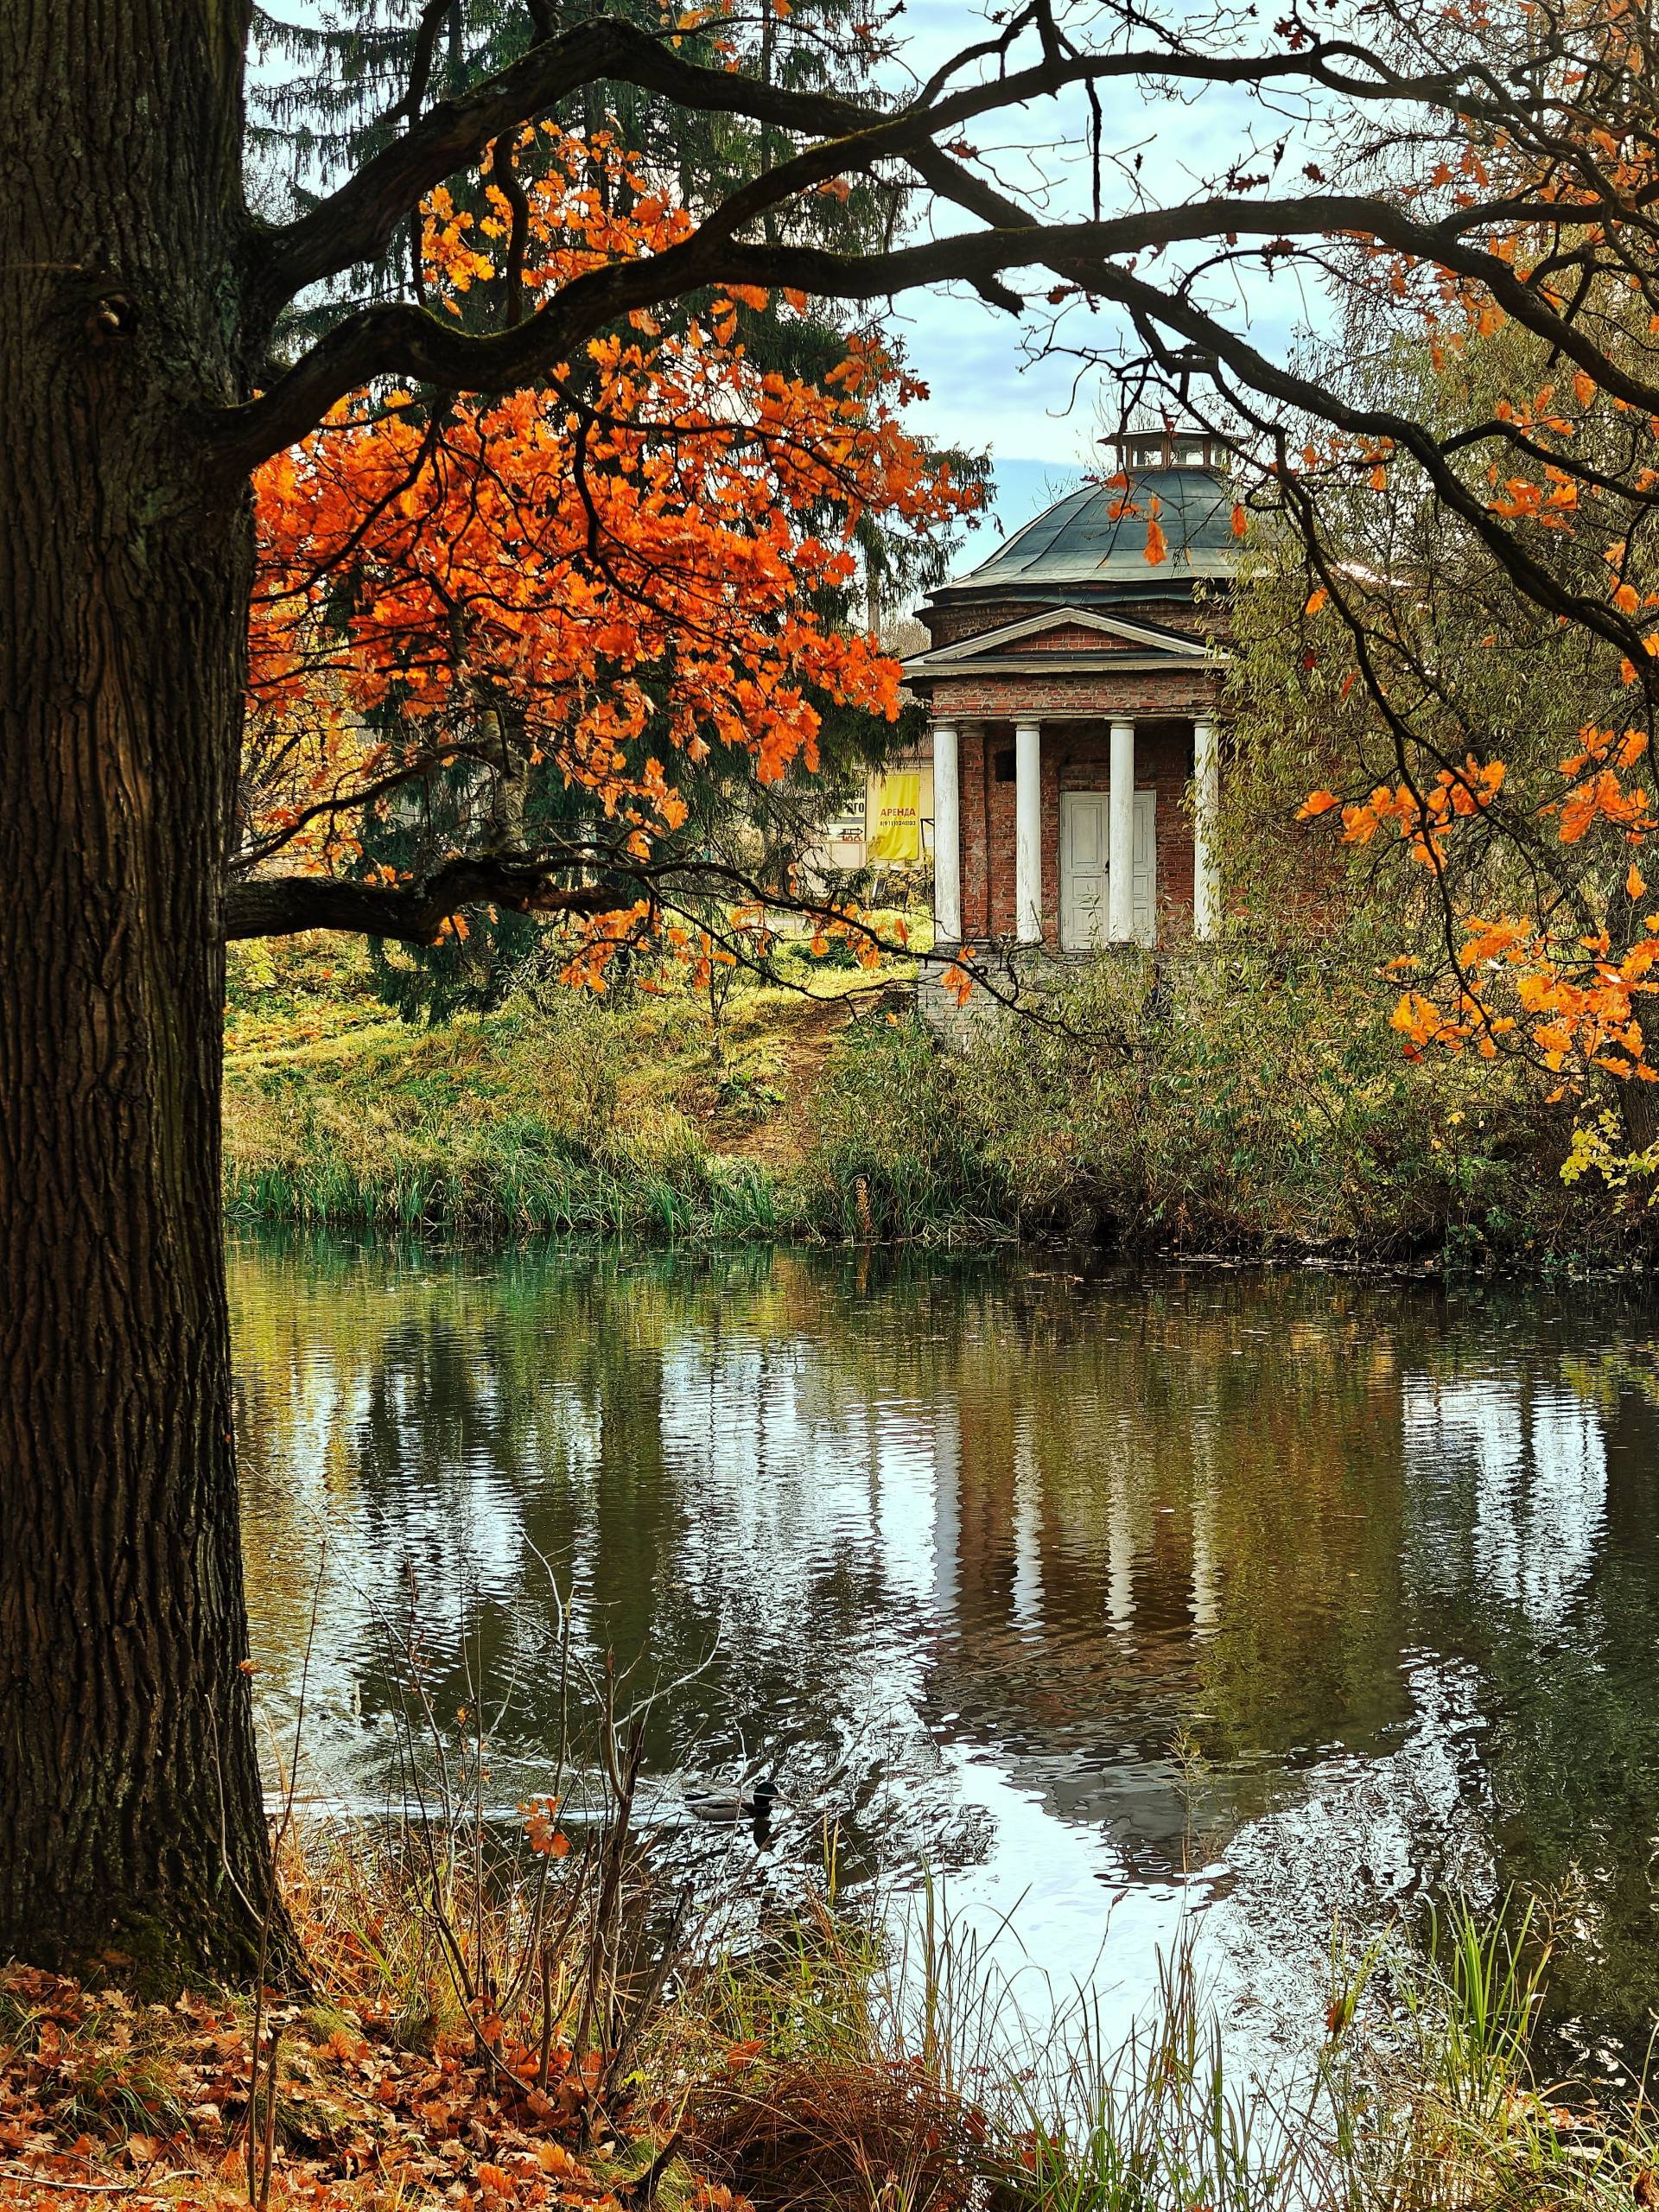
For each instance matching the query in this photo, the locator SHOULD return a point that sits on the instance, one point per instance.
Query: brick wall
(1023, 974)
(1076, 757)
(1076, 638)
(1031, 976)
(1089, 695)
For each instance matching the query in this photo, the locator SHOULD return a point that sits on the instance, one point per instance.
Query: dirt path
(808, 1038)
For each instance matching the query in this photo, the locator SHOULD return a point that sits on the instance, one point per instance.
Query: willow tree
(142, 383)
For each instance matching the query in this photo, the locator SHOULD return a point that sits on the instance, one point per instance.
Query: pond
(1109, 1596)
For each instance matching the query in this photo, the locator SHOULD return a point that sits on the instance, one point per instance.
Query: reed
(1254, 1108)
(500, 2004)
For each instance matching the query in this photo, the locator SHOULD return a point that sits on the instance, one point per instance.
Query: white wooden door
(1085, 868)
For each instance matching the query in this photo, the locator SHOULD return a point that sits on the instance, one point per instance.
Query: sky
(988, 387)
(1039, 421)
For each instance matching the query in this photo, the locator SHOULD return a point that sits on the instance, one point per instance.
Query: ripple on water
(1162, 1599)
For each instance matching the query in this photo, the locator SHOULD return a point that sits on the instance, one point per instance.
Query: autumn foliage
(599, 582)
(1540, 464)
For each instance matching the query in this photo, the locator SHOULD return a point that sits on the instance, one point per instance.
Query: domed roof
(1092, 544)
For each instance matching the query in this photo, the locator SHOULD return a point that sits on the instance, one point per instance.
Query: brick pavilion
(1072, 687)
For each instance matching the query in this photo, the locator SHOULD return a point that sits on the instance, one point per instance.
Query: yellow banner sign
(895, 819)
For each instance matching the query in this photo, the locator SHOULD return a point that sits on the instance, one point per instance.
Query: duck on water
(731, 1806)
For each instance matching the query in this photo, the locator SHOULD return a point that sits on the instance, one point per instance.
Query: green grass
(1260, 1112)
(899, 2074)
(875, 2055)
(825, 2059)
(1265, 1111)
(554, 1114)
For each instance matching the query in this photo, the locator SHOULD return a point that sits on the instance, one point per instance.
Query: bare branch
(1436, 242)
(356, 223)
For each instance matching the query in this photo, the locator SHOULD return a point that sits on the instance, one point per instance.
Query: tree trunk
(130, 1817)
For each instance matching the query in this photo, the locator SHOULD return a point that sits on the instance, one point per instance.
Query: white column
(1029, 832)
(1206, 800)
(1120, 837)
(947, 836)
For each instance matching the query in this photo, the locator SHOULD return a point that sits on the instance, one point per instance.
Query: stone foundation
(1029, 972)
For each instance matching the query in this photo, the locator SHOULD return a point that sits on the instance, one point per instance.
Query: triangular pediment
(1065, 631)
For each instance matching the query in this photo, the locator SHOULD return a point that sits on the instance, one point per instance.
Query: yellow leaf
(1317, 600)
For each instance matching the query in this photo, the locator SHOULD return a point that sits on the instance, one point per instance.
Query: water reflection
(988, 1554)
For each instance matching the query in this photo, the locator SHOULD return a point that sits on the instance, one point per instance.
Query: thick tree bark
(282, 906)
(130, 1815)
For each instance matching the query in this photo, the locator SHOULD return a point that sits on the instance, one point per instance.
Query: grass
(1239, 1108)
(816, 2066)
(1422, 2096)
(556, 1113)
(1252, 1110)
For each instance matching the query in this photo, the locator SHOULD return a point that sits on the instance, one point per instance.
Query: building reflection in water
(1321, 1593)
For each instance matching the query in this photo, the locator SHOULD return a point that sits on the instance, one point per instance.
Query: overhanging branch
(414, 913)
(284, 905)
(406, 341)
(1113, 280)
(355, 223)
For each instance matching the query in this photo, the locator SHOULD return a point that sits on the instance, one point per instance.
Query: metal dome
(1092, 544)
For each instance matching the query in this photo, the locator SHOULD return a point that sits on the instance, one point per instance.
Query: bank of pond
(1274, 1117)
